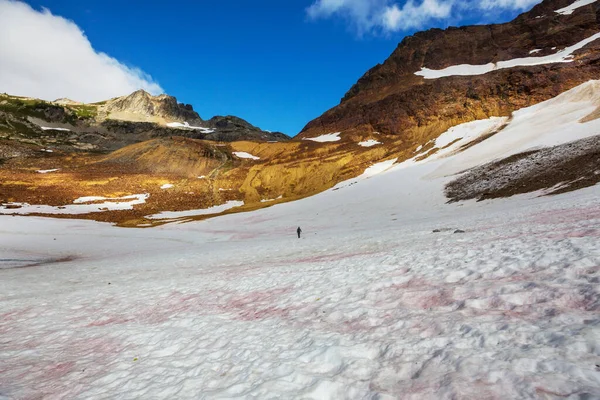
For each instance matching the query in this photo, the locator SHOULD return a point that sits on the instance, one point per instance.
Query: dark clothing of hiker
(299, 231)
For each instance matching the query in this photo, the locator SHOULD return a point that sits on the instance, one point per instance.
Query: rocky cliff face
(142, 105)
(392, 99)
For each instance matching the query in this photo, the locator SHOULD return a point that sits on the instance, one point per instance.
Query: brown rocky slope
(391, 99)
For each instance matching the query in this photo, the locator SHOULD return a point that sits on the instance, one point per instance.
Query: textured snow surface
(243, 154)
(203, 211)
(369, 143)
(364, 305)
(329, 137)
(565, 55)
(369, 304)
(569, 9)
(118, 203)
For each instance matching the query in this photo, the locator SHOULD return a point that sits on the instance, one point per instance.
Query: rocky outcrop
(142, 105)
(228, 128)
(390, 98)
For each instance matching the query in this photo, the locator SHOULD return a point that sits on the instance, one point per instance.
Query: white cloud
(48, 57)
(392, 16)
(412, 15)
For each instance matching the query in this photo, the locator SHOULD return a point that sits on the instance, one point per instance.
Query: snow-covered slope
(370, 303)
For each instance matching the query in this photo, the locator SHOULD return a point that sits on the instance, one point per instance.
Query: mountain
(142, 106)
(439, 78)
(500, 103)
(112, 124)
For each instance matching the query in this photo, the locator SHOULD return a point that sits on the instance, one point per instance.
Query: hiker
(298, 231)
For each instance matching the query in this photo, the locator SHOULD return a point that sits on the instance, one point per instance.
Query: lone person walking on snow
(298, 231)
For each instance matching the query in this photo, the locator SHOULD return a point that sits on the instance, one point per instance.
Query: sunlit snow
(79, 206)
(368, 143)
(48, 128)
(565, 55)
(369, 303)
(191, 213)
(243, 154)
(329, 137)
(47, 171)
(186, 125)
(569, 9)
(167, 186)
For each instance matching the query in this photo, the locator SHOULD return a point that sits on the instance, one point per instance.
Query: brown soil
(292, 170)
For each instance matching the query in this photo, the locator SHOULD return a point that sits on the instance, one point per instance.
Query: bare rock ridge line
(392, 99)
(112, 124)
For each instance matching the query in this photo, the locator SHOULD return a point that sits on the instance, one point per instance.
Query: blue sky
(270, 61)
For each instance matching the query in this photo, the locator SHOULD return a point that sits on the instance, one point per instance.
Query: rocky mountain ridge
(115, 123)
(392, 98)
(148, 108)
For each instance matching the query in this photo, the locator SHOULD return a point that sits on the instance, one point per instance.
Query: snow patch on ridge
(186, 125)
(77, 208)
(568, 10)
(565, 55)
(369, 143)
(329, 137)
(48, 128)
(193, 213)
(46, 171)
(243, 154)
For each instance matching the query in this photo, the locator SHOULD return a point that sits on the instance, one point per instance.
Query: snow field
(508, 309)
(369, 304)
(190, 213)
(79, 206)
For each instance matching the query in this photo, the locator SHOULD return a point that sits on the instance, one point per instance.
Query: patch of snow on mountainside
(243, 154)
(192, 213)
(329, 137)
(78, 208)
(48, 128)
(569, 9)
(565, 55)
(369, 143)
(186, 125)
(47, 171)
